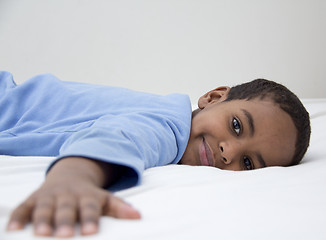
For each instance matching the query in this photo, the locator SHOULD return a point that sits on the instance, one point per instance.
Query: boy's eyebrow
(261, 160)
(250, 121)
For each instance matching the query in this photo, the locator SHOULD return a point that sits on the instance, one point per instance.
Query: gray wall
(166, 46)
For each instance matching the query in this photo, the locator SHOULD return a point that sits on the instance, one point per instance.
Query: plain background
(166, 46)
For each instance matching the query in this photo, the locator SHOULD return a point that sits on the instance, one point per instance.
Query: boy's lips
(205, 154)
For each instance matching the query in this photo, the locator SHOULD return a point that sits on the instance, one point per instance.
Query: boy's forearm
(99, 173)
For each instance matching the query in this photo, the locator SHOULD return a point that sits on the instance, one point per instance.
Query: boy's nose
(224, 159)
(228, 152)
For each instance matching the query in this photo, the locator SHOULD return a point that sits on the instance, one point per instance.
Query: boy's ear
(217, 95)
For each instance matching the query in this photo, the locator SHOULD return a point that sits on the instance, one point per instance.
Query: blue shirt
(48, 117)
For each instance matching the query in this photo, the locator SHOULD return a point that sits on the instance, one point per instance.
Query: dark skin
(67, 197)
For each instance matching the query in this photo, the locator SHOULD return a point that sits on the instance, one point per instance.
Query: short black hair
(286, 100)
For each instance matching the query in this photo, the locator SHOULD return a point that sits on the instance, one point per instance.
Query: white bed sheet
(184, 202)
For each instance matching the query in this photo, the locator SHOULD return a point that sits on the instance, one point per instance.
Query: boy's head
(252, 125)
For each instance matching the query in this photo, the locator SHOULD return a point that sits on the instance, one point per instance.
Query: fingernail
(14, 226)
(43, 229)
(89, 228)
(64, 231)
(130, 212)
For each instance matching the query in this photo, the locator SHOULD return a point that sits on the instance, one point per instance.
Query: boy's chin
(188, 161)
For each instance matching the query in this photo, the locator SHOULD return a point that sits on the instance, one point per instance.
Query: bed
(184, 202)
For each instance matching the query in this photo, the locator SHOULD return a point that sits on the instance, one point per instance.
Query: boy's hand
(65, 199)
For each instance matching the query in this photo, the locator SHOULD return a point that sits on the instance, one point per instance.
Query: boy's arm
(72, 191)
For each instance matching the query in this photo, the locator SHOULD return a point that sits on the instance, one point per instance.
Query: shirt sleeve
(137, 141)
(6, 82)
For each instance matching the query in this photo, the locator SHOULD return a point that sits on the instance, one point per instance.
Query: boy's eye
(236, 126)
(247, 163)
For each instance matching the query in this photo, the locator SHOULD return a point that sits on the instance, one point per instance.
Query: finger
(90, 211)
(119, 209)
(42, 216)
(65, 216)
(21, 215)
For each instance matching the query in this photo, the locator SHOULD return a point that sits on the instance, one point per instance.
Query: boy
(104, 135)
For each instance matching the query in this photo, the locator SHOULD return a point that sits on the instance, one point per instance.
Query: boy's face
(239, 134)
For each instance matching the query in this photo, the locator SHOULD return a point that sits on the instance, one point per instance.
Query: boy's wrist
(77, 169)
